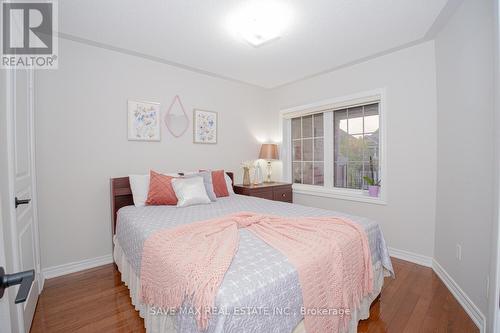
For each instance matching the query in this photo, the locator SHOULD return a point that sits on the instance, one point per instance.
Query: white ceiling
(324, 34)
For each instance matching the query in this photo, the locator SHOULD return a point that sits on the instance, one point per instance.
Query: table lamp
(269, 152)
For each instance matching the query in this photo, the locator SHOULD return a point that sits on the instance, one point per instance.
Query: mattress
(260, 291)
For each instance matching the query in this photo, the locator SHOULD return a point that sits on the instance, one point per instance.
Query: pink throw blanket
(331, 255)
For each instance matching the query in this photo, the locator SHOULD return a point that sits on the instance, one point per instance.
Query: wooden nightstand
(272, 191)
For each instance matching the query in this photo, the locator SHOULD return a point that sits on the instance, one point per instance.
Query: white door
(22, 225)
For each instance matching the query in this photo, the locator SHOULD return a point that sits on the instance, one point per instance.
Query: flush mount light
(259, 22)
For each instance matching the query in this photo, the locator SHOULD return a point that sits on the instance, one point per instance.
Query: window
(307, 149)
(356, 142)
(332, 148)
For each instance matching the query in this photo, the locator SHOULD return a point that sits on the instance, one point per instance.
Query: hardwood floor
(97, 301)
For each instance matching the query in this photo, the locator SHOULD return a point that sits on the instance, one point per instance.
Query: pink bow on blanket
(331, 255)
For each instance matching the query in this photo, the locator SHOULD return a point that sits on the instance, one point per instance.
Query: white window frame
(328, 107)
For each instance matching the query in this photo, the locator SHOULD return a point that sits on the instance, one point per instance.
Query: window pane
(371, 109)
(355, 175)
(318, 124)
(340, 119)
(307, 127)
(366, 172)
(371, 118)
(371, 124)
(356, 139)
(307, 173)
(355, 122)
(297, 150)
(340, 136)
(297, 172)
(318, 173)
(356, 146)
(375, 169)
(307, 149)
(318, 150)
(371, 146)
(340, 174)
(296, 131)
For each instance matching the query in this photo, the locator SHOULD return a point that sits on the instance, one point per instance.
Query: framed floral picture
(143, 121)
(205, 126)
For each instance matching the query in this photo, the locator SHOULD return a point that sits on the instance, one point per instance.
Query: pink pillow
(219, 183)
(161, 191)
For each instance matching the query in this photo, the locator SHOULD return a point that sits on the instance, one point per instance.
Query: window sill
(342, 194)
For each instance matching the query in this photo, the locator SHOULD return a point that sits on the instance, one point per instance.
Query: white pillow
(189, 173)
(229, 184)
(207, 180)
(139, 184)
(190, 191)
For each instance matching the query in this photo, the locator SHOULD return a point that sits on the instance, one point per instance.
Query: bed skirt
(156, 323)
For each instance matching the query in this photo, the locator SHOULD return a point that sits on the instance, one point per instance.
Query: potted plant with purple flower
(373, 183)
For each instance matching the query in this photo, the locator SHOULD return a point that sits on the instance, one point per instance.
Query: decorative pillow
(190, 191)
(139, 184)
(229, 184)
(207, 181)
(160, 190)
(219, 183)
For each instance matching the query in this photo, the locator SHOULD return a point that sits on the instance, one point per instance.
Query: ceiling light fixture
(259, 21)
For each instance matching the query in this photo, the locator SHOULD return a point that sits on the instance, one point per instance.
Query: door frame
(8, 194)
(34, 199)
(5, 318)
(495, 268)
(5, 303)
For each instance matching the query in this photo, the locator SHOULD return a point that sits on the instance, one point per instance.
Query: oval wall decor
(176, 119)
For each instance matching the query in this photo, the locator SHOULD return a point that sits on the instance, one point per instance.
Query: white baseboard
(72, 267)
(469, 307)
(462, 298)
(415, 258)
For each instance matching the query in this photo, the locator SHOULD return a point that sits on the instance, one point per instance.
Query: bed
(260, 291)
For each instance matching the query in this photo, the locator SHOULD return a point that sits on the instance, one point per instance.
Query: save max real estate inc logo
(28, 34)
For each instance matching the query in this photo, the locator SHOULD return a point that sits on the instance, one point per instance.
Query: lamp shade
(269, 151)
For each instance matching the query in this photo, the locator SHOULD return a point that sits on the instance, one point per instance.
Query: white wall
(409, 78)
(81, 137)
(465, 146)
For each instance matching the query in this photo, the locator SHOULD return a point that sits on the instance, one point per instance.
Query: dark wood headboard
(121, 196)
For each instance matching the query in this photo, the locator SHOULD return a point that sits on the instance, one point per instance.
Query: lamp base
(269, 172)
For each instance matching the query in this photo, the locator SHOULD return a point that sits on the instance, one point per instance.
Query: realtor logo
(28, 39)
